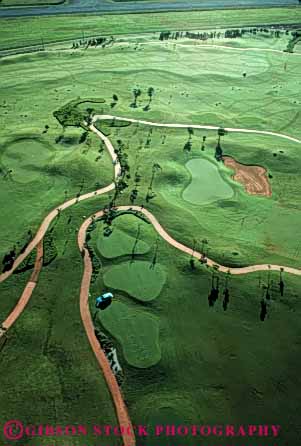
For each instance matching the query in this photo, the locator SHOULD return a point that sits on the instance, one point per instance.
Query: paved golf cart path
(28, 290)
(195, 126)
(121, 410)
(37, 241)
(50, 217)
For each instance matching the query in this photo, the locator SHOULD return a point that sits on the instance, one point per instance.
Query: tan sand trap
(253, 178)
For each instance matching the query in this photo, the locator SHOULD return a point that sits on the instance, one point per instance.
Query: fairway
(136, 331)
(207, 185)
(121, 242)
(25, 158)
(162, 167)
(138, 279)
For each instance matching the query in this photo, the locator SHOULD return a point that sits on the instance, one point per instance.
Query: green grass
(29, 31)
(41, 168)
(203, 349)
(200, 85)
(242, 229)
(24, 156)
(61, 368)
(138, 279)
(136, 331)
(120, 243)
(207, 184)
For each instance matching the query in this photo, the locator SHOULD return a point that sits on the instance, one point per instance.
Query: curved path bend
(121, 410)
(37, 241)
(195, 126)
(50, 217)
(198, 255)
(28, 290)
(52, 214)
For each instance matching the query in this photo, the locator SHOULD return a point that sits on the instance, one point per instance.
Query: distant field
(30, 30)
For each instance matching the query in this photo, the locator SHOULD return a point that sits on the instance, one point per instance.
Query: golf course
(158, 161)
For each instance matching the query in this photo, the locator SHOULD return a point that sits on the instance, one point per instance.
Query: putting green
(137, 332)
(24, 158)
(137, 279)
(118, 243)
(207, 184)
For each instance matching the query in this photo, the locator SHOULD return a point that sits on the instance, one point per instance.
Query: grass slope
(120, 242)
(203, 349)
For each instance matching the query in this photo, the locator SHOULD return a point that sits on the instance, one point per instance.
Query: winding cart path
(37, 242)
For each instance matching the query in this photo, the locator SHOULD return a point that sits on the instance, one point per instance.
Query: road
(109, 6)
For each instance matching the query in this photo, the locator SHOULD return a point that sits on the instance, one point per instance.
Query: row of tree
(228, 34)
(93, 42)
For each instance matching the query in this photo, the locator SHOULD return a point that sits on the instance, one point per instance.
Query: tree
(214, 292)
(135, 243)
(218, 152)
(281, 283)
(187, 147)
(150, 93)
(136, 93)
(190, 132)
(115, 100)
(155, 256)
(191, 260)
(156, 167)
(226, 293)
(263, 311)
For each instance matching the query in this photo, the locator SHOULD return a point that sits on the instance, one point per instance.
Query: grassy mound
(119, 244)
(137, 332)
(207, 184)
(24, 158)
(122, 240)
(137, 279)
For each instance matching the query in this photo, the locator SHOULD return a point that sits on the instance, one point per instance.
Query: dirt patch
(253, 178)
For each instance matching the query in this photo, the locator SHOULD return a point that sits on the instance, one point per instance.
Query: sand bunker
(253, 178)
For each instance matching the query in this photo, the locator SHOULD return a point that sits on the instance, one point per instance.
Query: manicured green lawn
(138, 279)
(120, 243)
(202, 85)
(194, 363)
(207, 184)
(136, 331)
